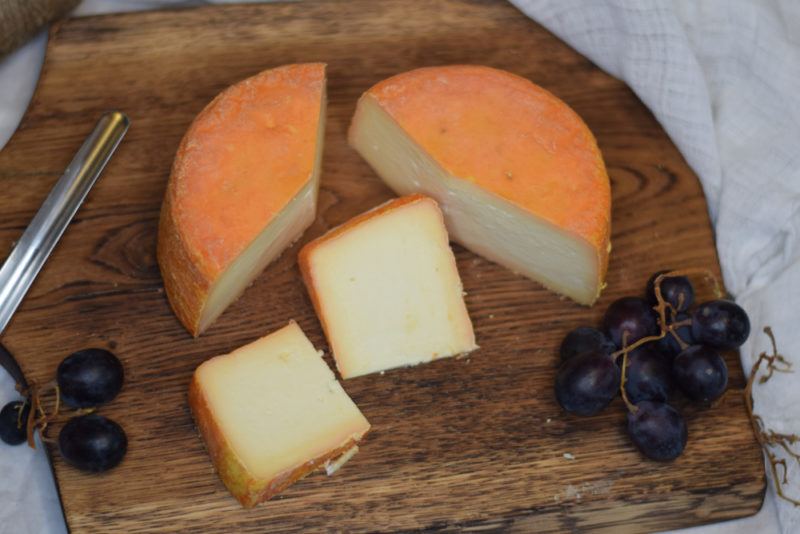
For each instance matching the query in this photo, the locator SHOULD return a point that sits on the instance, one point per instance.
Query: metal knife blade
(44, 231)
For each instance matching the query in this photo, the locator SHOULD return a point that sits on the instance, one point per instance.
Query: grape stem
(39, 418)
(672, 329)
(767, 438)
(662, 305)
(20, 411)
(625, 349)
(661, 309)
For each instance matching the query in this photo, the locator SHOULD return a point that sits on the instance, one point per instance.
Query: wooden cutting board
(476, 443)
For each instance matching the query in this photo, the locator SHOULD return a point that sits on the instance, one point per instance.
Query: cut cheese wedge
(517, 173)
(243, 188)
(386, 289)
(271, 412)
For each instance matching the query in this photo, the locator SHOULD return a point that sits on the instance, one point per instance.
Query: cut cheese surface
(243, 188)
(386, 289)
(272, 411)
(517, 173)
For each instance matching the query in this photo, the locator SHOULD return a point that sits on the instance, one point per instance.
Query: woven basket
(21, 19)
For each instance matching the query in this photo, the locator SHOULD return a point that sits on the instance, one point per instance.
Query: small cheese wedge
(243, 188)
(271, 412)
(517, 173)
(386, 288)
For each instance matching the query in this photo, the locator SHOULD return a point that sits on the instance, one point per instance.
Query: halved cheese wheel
(516, 172)
(243, 188)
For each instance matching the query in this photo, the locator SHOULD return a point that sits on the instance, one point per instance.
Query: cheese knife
(47, 226)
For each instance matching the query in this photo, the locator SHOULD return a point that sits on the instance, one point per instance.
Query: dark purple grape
(586, 383)
(585, 339)
(92, 443)
(721, 324)
(648, 375)
(658, 430)
(631, 314)
(701, 373)
(13, 426)
(669, 345)
(677, 290)
(650, 346)
(90, 377)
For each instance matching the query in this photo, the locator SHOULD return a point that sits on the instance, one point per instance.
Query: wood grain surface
(459, 444)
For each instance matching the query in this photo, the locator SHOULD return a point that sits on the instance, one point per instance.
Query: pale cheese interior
(280, 233)
(481, 221)
(390, 293)
(278, 404)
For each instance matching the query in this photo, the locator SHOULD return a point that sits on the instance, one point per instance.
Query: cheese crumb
(331, 466)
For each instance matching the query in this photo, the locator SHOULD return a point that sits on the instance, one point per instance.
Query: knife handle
(8, 363)
(44, 231)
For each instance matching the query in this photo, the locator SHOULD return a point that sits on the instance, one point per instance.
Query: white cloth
(722, 77)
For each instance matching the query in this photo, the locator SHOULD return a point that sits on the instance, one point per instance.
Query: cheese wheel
(516, 172)
(243, 187)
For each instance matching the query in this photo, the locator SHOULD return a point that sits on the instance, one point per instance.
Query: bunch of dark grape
(647, 348)
(88, 441)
